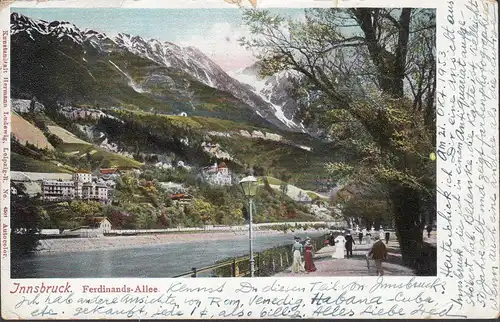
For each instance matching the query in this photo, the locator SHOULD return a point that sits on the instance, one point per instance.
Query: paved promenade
(356, 266)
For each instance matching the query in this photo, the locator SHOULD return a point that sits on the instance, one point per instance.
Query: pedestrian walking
(387, 236)
(339, 247)
(429, 230)
(360, 237)
(331, 239)
(308, 256)
(297, 250)
(378, 253)
(349, 241)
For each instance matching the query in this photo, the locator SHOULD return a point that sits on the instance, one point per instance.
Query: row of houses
(60, 186)
(53, 190)
(82, 186)
(99, 186)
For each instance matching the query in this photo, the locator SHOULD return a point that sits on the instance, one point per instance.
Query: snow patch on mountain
(264, 88)
(189, 60)
(280, 115)
(131, 82)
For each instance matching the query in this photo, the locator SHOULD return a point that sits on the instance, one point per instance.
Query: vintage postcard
(249, 159)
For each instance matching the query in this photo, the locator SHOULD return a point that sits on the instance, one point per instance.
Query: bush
(53, 139)
(22, 244)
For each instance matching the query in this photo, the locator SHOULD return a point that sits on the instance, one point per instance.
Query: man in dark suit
(331, 239)
(349, 241)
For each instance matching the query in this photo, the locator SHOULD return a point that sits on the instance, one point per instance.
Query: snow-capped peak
(22, 23)
(189, 60)
(60, 29)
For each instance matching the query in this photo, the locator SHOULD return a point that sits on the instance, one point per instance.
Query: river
(146, 261)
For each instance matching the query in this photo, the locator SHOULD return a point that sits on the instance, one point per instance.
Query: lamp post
(249, 186)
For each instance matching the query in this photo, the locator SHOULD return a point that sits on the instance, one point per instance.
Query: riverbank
(122, 242)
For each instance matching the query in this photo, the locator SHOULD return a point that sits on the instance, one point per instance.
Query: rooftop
(99, 219)
(177, 196)
(108, 171)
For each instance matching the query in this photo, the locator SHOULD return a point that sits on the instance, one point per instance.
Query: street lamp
(249, 186)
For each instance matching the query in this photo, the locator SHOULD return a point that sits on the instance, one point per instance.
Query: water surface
(145, 261)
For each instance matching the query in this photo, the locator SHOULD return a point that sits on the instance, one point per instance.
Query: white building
(58, 189)
(109, 174)
(78, 189)
(163, 165)
(218, 175)
(81, 187)
(82, 177)
(95, 191)
(102, 224)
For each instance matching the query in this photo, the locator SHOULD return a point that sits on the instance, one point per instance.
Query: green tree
(203, 211)
(230, 215)
(218, 196)
(284, 177)
(60, 217)
(26, 224)
(283, 189)
(174, 216)
(85, 209)
(146, 216)
(354, 78)
(368, 208)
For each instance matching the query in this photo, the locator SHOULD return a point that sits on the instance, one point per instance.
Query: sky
(214, 31)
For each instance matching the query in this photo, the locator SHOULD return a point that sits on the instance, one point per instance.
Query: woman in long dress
(339, 247)
(308, 256)
(297, 250)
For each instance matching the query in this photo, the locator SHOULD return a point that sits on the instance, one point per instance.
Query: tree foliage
(368, 208)
(85, 209)
(368, 74)
(26, 223)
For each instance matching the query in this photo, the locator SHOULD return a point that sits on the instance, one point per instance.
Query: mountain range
(61, 64)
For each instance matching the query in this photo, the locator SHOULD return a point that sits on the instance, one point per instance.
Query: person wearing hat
(360, 237)
(378, 253)
(349, 241)
(387, 237)
(331, 239)
(297, 250)
(339, 247)
(308, 256)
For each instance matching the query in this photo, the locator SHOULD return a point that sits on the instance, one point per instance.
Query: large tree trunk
(390, 65)
(407, 216)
